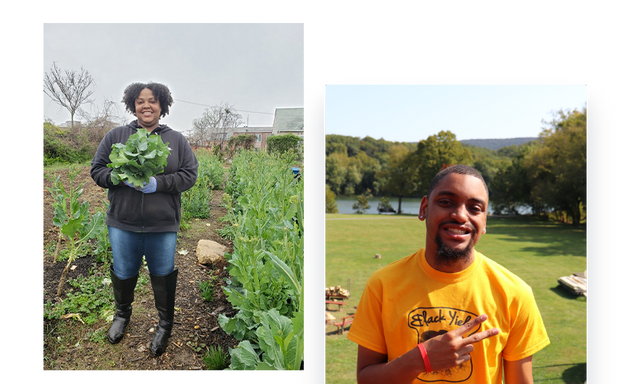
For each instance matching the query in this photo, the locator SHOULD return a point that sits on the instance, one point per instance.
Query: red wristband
(425, 357)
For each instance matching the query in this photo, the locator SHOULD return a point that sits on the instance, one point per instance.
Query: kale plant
(140, 158)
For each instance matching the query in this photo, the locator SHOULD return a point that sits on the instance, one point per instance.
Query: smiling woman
(143, 220)
(149, 102)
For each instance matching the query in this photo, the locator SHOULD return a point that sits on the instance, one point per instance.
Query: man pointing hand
(447, 313)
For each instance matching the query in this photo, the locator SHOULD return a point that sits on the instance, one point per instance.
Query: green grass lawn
(539, 252)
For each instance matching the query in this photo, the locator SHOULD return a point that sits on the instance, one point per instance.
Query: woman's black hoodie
(132, 210)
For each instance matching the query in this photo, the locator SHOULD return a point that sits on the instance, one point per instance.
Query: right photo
(456, 233)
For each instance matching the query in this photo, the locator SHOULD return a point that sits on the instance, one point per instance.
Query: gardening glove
(149, 187)
(126, 182)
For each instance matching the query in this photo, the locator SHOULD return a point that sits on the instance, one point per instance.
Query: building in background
(286, 120)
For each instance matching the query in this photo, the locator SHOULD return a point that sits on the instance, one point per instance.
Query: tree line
(546, 176)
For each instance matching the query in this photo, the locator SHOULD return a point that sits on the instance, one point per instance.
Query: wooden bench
(338, 303)
(344, 321)
(336, 297)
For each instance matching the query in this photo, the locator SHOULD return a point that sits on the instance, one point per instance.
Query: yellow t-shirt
(408, 302)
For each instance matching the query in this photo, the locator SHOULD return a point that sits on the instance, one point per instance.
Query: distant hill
(497, 143)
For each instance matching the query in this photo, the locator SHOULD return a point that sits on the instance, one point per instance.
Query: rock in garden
(210, 252)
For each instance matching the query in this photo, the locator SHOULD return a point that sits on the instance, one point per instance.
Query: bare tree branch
(69, 88)
(98, 121)
(215, 126)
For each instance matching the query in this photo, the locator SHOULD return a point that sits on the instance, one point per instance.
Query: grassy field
(539, 252)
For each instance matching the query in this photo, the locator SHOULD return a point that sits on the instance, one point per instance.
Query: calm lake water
(408, 205)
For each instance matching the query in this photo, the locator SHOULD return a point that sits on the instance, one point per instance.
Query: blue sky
(414, 112)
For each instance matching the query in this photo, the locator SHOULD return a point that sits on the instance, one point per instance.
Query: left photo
(173, 196)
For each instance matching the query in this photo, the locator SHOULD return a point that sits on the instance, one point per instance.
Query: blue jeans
(128, 248)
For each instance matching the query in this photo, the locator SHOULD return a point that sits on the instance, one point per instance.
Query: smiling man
(447, 313)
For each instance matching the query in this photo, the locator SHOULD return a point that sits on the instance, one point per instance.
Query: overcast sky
(415, 112)
(254, 67)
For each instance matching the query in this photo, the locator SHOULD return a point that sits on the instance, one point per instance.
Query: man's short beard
(446, 255)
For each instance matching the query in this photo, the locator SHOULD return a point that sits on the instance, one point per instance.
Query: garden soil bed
(70, 344)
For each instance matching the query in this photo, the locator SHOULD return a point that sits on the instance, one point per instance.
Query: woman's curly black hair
(160, 92)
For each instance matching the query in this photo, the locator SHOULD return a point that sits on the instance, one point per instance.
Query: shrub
(65, 146)
(363, 203)
(285, 143)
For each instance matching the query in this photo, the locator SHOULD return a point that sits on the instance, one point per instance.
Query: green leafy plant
(280, 341)
(265, 210)
(88, 300)
(103, 249)
(211, 170)
(73, 219)
(141, 157)
(195, 345)
(206, 289)
(216, 358)
(196, 202)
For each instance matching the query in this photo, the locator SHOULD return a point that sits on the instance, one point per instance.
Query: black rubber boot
(123, 296)
(164, 293)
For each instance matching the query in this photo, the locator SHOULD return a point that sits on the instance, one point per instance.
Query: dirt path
(69, 344)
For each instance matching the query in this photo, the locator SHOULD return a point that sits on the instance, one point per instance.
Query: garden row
(210, 175)
(264, 198)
